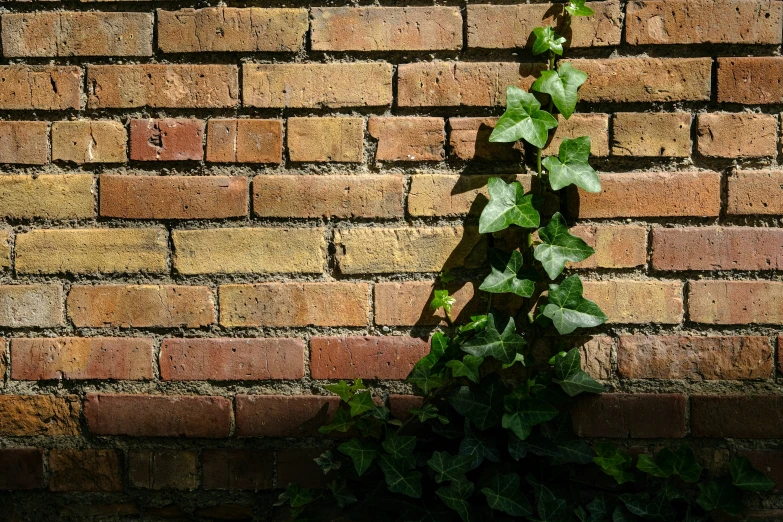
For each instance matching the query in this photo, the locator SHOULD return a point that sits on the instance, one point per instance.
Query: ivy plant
(492, 437)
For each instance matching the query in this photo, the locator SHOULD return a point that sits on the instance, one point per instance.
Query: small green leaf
(558, 247)
(523, 119)
(720, 494)
(438, 346)
(296, 496)
(578, 8)
(503, 494)
(400, 447)
(456, 497)
(449, 467)
(477, 323)
(341, 494)
(426, 412)
(361, 453)
(562, 85)
(570, 376)
(657, 508)
(426, 380)
(443, 300)
(399, 478)
(467, 367)
(613, 462)
(550, 508)
(568, 310)
(505, 275)
(508, 205)
(518, 358)
(503, 346)
(745, 476)
(446, 277)
(481, 404)
(360, 403)
(597, 508)
(342, 389)
(478, 447)
(327, 462)
(523, 412)
(575, 451)
(342, 422)
(547, 40)
(571, 166)
(669, 462)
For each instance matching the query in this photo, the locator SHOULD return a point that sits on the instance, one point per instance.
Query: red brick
(40, 87)
(162, 86)
(755, 192)
(84, 141)
(296, 466)
(386, 28)
(163, 469)
(283, 415)
(769, 462)
(652, 134)
(21, 468)
(140, 306)
(245, 141)
(703, 21)
(737, 416)
(400, 405)
(717, 248)
(80, 358)
(408, 139)
(25, 306)
(623, 246)
(238, 469)
(735, 302)
(24, 142)
(650, 194)
(31, 415)
(231, 359)
(343, 196)
(85, 470)
(625, 415)
(469, 140)
(295, 304)
(326, 139)
(627, 301)
(595, 350)
(365, 357)
(166, 140)
(723, 135)
(694, 358)
(157, 415)
(751, 80)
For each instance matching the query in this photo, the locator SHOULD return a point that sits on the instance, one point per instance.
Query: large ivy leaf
(657, 508)
(523, 412)
(558, 246)
(503, 346)
(341, 494)
(449, 467)
(570, 376)
(467, 367)
(481, 404)
(571, 166)
(342, 422)
(400, 447)
(568, 310)
(523, 119)
(503, 494)
(360, 403)
(578, 8)
(438, 345)
(669, 462)
(562, 85)
(508, 205)
(549, 506)
(613, 462)
(745, 476)
(597, 509)
(295, 496)
(505, 275)
(426, 380)
(342, 389)
(456, 496)
(576, 451)
(478, 447)
(720, 494)
(399, 478)
(361, 453)
(547, 40)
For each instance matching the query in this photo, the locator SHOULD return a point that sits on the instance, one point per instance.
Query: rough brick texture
(636, 416)
(408, 139)
(162, 470)
(283, 415)
(717, 248)
(651, 134)
(755, 192)
(326, 139)
(34, 305)
(22, 468)
(89, 141)
(166, 140)
(64, 196)
(24, 142)
(741, 416)
(85, 470)
(244, 141)
(365, 357)
(735, 302)
(40, 87)
(754, 80)
(737, 135)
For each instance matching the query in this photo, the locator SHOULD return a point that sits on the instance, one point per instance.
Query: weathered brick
(469, 140)
(390, 250)
(735, 302)
(167, 140)
(162, 86)
(595, 351)
(157, 415)
(651, 134)
(5, 247)
(725, 135)
(173, 197)
(637, 302)
(80, 358)
(326, 139)
(390, 357)
(231, 29)
(249, 250)
(400, 405)
(651, 194)
(85, 470)
(92, 250)
(703, 21)
(24, 142)
(408, 139)
(694, 358)
(717, 248)
(509, 26)
(596, 126)
(140, 306)
(85, 141)
(231, 359)
(645, 79)
(737, 416)
(40, 87)
(163, 469)
(750, 80)
(58, 33)
(386, 28)
(769, 462)
(31, 415)
(26, 306)
(48, 196)
(295, 304)
(755, 192)
(21, 468)
(635, 416)
(481, 84)
(283, 415)
(238, 469)
(316, 85)
(245, 141)
(615, 246)
(343, 196)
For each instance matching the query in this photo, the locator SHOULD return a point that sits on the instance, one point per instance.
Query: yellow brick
(5, 248)
(249, 250)
(637, 302)
(56, 196)
(92, 250)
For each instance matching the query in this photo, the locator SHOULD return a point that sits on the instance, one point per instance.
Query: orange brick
(637, 302)
(717, 248)
(723, 135)
(735, 302)
(245, 141)
(751, 80)
(596, 126)
(408, 139)
(24, 142)
(365, 357)
(40, 87)
(755, 192)
(326, 139)
(615, 246)
(32, 415)
(469, 139)
(167, 139)
(652, 134)
(85, 470)
(87, 141)
(283, 415)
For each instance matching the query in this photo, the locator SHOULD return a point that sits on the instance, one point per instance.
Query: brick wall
(208, 213)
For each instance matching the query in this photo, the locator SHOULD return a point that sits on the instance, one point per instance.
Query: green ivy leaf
(443, 300)
(427, 412)
(505, 275)
(400, 447)
(523, 119)
(720, 494)
(438, 346)
(547, 40)
(640, 504)
(456, 496)
(327, 462)
(570, 376)
(576, 451)
(745, 476)
(342, 389)
(523, 412)
(399, 478)
(613, 462)
(550, 508)
(449, 467)
(533, 444)
(341, 494)
(562, 85)
(568, 310)
(478, 447)
(342, 422)
(477, 323)
(597, 509)
(669, 462)
(508, 205)
(518, 358)
(426, 380)
(467, 367)
(360, 403)
(503, 494)
(361, 453)
(578, 8)
(296, 496)
(481, 404)
(571, 166)
(558, 246)
(503, 346)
